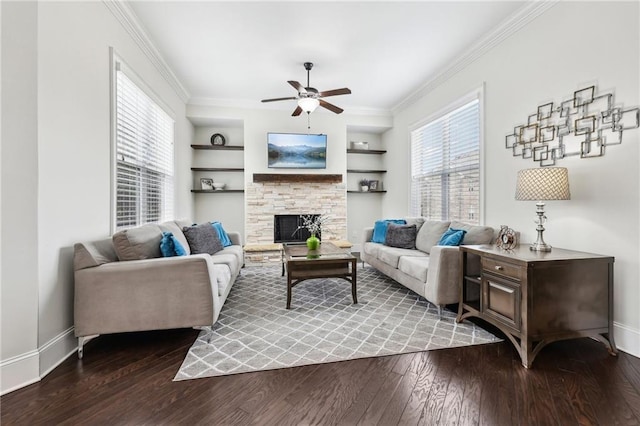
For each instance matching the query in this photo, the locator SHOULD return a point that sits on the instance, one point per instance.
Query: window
(144, 136)
(445, 165)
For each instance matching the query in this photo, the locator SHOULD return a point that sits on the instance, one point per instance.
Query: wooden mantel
(296, 178)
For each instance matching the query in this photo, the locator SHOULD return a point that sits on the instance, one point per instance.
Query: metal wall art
(581, 126)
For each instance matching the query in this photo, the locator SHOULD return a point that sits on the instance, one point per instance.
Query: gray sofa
(430, 270)
(124, 284)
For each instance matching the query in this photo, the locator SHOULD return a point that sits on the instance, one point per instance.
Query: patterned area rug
(255, 331)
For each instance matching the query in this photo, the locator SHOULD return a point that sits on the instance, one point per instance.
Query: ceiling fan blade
(330, 107)
(297, 112)
(279, 99)
(299, 87)
(335, 92)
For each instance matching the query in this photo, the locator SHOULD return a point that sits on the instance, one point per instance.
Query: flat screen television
(297, 151)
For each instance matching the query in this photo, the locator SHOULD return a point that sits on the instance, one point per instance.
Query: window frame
(476, 94)
(118, 64)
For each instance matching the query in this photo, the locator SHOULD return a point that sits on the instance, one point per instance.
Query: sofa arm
(443, 275)
(367, 234)
(235, 238)
(148, 294)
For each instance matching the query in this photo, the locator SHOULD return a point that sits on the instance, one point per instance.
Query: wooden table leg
(353, 281)
(288, 291)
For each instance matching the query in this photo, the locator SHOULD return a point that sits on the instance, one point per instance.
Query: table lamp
(542, 184)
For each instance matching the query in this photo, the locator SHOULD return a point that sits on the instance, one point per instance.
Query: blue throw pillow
(170, 246)
(224, 237)
(380, 229)
(452, 237)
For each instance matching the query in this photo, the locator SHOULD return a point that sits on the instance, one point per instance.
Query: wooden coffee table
(328, 261)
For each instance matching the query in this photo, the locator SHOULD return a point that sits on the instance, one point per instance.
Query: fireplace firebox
(287, 228)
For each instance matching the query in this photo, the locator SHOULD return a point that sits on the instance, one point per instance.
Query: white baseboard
(28, 368)
(627, 339)
(56, 350)
(19, 371)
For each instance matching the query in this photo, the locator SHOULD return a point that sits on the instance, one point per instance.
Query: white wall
(546, 61)
(19, 277)
(68, 169)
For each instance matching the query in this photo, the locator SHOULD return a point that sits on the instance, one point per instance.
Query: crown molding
(129, 21)
(507, 28)
(282, 106)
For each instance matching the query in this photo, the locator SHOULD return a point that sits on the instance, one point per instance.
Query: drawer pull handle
(499, 268)
(501, 288)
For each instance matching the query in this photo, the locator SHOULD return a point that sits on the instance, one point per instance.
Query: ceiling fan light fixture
(308, 104)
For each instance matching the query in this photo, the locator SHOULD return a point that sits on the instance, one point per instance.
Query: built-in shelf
(366, 192)
(217, 169)
(220, 147)
(215, 191)
(365, 171)
(296, 178)
(366, 151)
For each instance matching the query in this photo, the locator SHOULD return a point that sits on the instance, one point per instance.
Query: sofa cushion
(415, 267)
(222, 275)
(202, 239)
(429, 234)
(401, 236)
(138, 243)
(391, 255)
(176, 229)
(372, 249)
(380, 229)
(452, 237)
(94, 253)
(228, 259)
(236, 251)
(475, 234)
(417, 221)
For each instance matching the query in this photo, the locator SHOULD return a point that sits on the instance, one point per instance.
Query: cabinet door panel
(501, 300)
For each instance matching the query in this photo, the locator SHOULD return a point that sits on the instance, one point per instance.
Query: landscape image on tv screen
(297, 151)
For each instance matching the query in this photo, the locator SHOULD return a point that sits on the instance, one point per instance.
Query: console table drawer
(501, 268)
(501, 300)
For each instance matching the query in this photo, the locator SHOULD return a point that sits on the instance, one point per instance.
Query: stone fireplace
(286, 194)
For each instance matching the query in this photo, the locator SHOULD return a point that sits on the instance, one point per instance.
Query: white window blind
(445, 166)
(144, 157)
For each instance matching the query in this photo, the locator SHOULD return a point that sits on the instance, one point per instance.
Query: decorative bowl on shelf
(218, 186)
(359, 145)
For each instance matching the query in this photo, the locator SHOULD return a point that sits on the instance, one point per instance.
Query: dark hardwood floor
(127, 379)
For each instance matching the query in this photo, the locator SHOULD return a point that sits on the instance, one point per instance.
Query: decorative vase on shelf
(364, 188)
(313, 242)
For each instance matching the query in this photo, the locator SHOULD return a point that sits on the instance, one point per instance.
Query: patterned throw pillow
(401, 236)
(202, 239)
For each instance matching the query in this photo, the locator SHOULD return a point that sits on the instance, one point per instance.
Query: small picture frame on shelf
(206, 184)
(373, 185)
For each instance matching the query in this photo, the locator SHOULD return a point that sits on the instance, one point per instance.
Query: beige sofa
(151, 292)
(430, 270)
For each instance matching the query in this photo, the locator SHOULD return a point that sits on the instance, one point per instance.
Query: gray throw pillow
(202, 239)
(401, 236)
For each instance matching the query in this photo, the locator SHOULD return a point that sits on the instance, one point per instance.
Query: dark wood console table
(537, 298)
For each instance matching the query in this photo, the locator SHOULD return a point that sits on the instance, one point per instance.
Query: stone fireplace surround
(295, 196)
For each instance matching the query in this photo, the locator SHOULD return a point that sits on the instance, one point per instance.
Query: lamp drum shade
(544, 183)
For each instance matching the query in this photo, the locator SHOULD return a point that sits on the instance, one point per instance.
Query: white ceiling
(237, 53)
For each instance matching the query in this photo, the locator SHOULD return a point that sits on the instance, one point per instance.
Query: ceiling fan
(309, 98)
